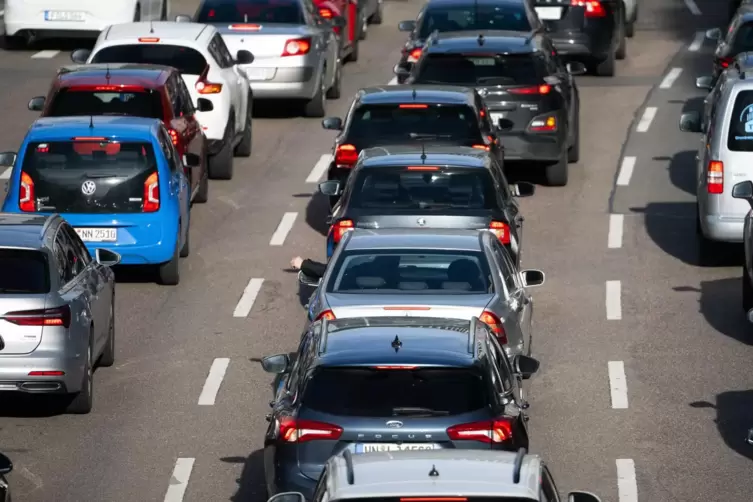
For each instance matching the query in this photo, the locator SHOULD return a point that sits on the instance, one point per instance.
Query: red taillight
(244, 27)
(346, 156)
(414, 54)
(492, 431)
(104, 88)
(725, 62)
(414, 106)
(300, 431)
(149, 40)
(174, 136)
(151, 193)
(297, 47)
(535, 89)
(327, 314)
(593, 7)
(422, 168)
(548, 124)
(495, 324)
(26, 200)
(204, 87)
(59, 316)
(715, 177)
(339, 229)
(395, 367)
(481, 147)
(326, 13)
(46, 373)
(501, 230)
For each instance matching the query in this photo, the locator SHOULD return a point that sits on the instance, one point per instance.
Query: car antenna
(107, 75)
(151, 27)
(414, 94)
(91, 121)
(518, 465)
(423, 152)
(396, 344)
(433, 472)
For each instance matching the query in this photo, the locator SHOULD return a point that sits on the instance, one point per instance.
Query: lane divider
(283, 229)
(648, 116)
(697, 42)
(626, 171)
(670, 78)
(627, 486)
(214, 381)
(176, 490)
(618, 385)
(614, 237)
(246, 303)
(614, 300)
(693, 7)
(318, 171)
(45, 54)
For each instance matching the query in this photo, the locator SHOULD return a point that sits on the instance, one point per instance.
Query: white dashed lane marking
(393, 81)
(648, 116)
(670, 78)
(693, 7)
(176, 490)
(45, 54)
(6, 174)
(283, 229)
(627, 487)
(618, 385)
(246, 303)
(626, 171)
(319, 168)
(614, 300)
(697, 42)
(616, 223)
(214, 381)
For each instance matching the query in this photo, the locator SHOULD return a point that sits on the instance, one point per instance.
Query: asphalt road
(644, 392)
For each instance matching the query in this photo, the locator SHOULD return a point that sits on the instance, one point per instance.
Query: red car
(347, 9)
(134, 90)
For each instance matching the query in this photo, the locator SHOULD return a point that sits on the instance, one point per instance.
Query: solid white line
(286, 224)
(618, 385)
(614, 239)
(670, 78)
(648, 116)
(614, 300)
(697, 42)
(213, 382)
(318, 171)
(693, 7)
(45, 54)
(627, 486)
(393, 81)
(248, 298)
(626, 171)
(6, 173)
(179, 480)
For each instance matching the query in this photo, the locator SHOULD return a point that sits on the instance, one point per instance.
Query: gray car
(456, 274)
(57, 309)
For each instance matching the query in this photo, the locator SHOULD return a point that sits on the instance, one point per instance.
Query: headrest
(368, 282)
(412, 286)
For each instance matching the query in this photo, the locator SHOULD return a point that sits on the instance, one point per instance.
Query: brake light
(495, 324)
(593, 7)
(46, 373)
(244, 27)
(297, 47)
(715, 177)
(543, 125)
(536, 89)
(327, 314)
(151, 194)
(89, 138)
(481, 147)
(300, 431)
(105, 88)
(406, 308)
(326, 13)
(413, 106)
(725, 62)
(501, 230)
(493, 431)
(26, 200)
(149, 40)
(422, 168)
(205, 87)
(414, 54)
(339, 229)
(346, 155)
(174, 136)
(59, 316)
(395, 367)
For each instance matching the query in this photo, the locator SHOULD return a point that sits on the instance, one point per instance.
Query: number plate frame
(549, 13)
(365, 447)
(97, 234)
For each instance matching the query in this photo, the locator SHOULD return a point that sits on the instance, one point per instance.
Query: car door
(195, 141)
(518, 302)
(549, 491)
(179, 188)
(239, 87)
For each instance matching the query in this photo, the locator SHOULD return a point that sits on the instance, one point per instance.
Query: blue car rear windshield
(251, 11)
(423, 272)
(471, 17)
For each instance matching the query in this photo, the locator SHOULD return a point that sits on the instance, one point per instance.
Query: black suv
(531, 96)
(387, 384)
(434, 187)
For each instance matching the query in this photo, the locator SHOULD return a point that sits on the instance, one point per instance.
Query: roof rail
(472, 336)
(350, 474)
(323, 334)
(518, 465)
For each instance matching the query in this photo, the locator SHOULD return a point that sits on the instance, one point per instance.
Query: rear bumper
(597, 41)
(14, 374)
(723, 228)
(532, 147)
(21, 17)
(288, 83)
(289, 478)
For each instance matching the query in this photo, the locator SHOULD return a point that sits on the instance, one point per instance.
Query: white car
(208, 69)
(27, 20)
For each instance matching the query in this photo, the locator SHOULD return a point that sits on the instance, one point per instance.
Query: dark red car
(348, 10)
(133, 90)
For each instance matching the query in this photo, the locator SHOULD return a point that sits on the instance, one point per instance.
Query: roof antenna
(423, 152)
(396, 344)
(433, 472)
(151, 27)
(245, 18)
(480, 39)
(91, 121)
(414, 94)
(107, 75)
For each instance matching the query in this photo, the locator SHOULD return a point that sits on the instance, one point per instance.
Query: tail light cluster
(594, 8)
(297, 47)
(326, 13)
(151, 194)
(543, 124)
(725, 62)
(58, 316)
(327, 314)
(293, 430)
(534, 89)
(715, 177)
(338, 229)
(26, 198)
(174, 136)
(501, 230)
(203, 86)
(346, 156)
(495, 324)
(487, 431)
(414, 54)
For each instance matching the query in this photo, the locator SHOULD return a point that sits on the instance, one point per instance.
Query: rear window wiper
(502, 80)
(420, 136)
(406, 411)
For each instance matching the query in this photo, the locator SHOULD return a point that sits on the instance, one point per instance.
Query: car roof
(471, 3)
(439, 239)
(143, 75)
(494, 41)
(403, 155)
(395, 94)
(59, 128)
(468, 473)
(167, 30)
(22, 230)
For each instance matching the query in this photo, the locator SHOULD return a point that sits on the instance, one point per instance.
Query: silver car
(56, 309)
(456, 274)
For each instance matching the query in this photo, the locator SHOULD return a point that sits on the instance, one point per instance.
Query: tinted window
(457, 69)
(740, 137)
(429, 495)
(185, 59)
(367, 392)
(23, 271)
(401, 188)
(88, 176)
(415, 272)
(138, 103)
(470, 17)
(743, 41)
(251, 11)
(409, 121)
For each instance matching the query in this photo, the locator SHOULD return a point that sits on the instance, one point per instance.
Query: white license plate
(549, 13)
(64, 15)
(377, 447)
(256, 73)
(496, 116)
(98, 234)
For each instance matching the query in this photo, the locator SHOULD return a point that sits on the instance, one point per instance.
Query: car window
(503, 364)
(188, 61)
(414, 121)
(69, 265)
(743, 40)
(410, 271)
(227, 59)
(173, 92)
(482, 69)
(105, 100)
(740, 136)
(24, 271)
(78, 245)
(475, 17)
(505, 267)
(251, 11)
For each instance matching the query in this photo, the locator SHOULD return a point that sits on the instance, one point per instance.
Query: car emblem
(421, 222)
(394, 424)
(88, 187)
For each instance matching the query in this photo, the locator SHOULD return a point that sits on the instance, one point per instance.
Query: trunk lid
(17, 339)
(461, 306)
(264, 41)
(413, 218)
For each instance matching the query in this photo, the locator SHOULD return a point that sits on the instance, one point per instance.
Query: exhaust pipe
(41, 386)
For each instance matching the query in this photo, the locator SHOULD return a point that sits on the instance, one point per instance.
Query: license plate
(549, 13)
(98, 234)
(411, 59)
(496, 116)
(256, 73)
(64, 15)
(377, 447)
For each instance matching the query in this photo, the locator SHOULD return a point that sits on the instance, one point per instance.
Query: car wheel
(82, 401)
(747, 292)
(169, 273)
(573, 153)
(335, 91)
(163, 14)
(137, 14)
(317, 106)
(630, 30)
(243, 149)
(221, 164)
(353, 56)
(377, 17)
(556, 174)
(185, 250)
(605, 68)
(202, 195)
(107, 358)
(10, 43)
(621, 52)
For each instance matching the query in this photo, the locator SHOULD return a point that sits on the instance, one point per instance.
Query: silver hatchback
(57, 309)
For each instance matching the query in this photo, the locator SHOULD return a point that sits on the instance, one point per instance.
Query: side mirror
(182, 18)
(576, 68)
(526, 366)
(204, 105)
(106, 257)
(191, 160)
(409, 25)
(277, 364)
(705, 82)
(36, 104)
(523, 189)
(690, 122)
(338, 22)
(713, 34)
(401, 71)
(532, 278)
(749, 439)
(79, 56)
(244, 57)
(7, 159)
(330, 188)
(308, 281)
(582, 497)
(505, 125)
(5, 465)
(333, 123)
(288, 497)
(743, 190)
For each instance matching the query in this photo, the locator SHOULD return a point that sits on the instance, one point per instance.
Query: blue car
(117, 180)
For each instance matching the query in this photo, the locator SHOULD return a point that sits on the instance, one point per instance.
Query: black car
(439, 16)
(6, 466)
(428, 115)
(590, 31)
(385, 384)
(433, 187)
(530, 94)
(737, 39)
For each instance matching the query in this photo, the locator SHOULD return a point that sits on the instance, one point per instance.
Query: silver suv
(436, 475)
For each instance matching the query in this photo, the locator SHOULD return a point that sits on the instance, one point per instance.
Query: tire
(202, 195)
(621, 52)
(168, 274)
(605, 68)
(221, 164)
(353, 56)
(630, 30)
(82, 401)
(186, 249)
(556, 174)
(573, 153)
(378, 16)
(335, 91)
(163, 14)
(137, 14)
(317, 107)
(107, 358)
(747, 292)
(243, 149)
(12, 43)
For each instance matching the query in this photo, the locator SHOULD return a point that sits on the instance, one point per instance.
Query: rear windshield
(23, 272)
(415, 272)
(482, 69)
(740, 137)
(251, 11)
(89, 176)
(136, 102)
(402, 188)
(367, 392)
(471, 17)
(415, 121)
(432, 497)
(743, 41)
(188, 61)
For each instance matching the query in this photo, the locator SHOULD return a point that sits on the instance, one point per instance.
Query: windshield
(426, 272)
(97, 101)
(89, 176)
(188, 61)
(23, 271)
(740, 136)
(483, 69)
(251, 11)
(743, 39)
(470, 17)
(415, 122)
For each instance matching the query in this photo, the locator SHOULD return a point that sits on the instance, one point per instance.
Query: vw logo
(394, 424)
(88, 187)
(421, 222)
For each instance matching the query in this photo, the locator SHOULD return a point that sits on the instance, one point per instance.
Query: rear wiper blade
(503, 80)
(420, 136)
(418, 411)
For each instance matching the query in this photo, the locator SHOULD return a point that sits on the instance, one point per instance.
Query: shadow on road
(251, 486)
(682, 170)
(721, 305)
(317, 211)
(734, 416)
